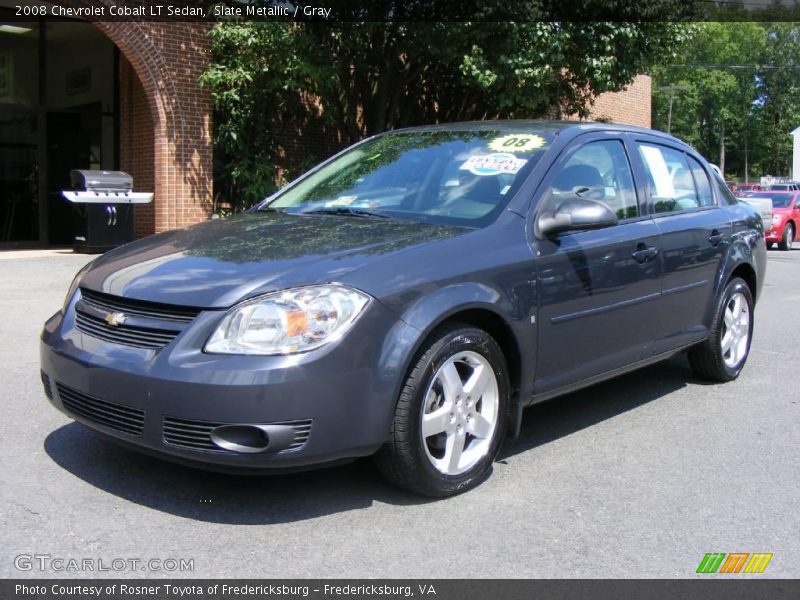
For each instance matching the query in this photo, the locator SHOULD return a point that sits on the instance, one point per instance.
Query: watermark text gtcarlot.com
(62, 564)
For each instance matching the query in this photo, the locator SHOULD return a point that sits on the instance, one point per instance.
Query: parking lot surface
(638, 477)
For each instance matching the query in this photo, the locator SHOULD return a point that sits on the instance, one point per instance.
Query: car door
(796, 212)
(695, 232)
(598, 289)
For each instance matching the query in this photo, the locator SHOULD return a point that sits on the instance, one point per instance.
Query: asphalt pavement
(635, 478)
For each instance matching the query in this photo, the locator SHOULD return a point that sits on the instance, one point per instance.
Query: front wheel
(451, 415)
(788, 237)
(722, 356)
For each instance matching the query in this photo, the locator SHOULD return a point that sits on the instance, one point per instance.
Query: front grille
(48, 391)
(93, 306)
(139, 308)
(196, 435)
(140, 337)
(109, 414)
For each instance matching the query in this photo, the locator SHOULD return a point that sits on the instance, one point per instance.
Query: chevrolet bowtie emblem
(115, 318)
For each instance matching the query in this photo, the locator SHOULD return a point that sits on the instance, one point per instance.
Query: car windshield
(455, 177)
(778, 200)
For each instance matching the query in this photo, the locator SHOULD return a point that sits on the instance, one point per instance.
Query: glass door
(20, 131)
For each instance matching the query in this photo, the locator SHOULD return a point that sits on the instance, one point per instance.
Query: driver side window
(597, 171)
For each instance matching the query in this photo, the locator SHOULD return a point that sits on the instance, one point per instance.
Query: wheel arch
(497, 327)
(485, 315)
(748, 273)
(493, 323)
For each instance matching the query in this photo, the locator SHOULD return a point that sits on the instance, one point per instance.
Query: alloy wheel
(736, 330)
(460, 415)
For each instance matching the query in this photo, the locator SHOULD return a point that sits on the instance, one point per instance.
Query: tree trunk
(722, 147)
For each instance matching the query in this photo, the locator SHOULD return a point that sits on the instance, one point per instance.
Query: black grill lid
(100, 181)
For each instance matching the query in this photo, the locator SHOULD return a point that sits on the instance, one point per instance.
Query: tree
(368, 77)
(742, 82)
(779, 89)
(716, 109)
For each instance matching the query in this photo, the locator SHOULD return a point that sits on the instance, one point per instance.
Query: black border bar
(710, 588)
(406, 11)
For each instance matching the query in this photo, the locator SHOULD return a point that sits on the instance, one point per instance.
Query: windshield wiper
(344, 210)
(270, 209)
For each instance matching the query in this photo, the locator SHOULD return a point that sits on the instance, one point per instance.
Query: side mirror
(577, 214)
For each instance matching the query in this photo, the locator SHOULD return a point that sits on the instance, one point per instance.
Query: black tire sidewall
(464, 339)
(735, 286)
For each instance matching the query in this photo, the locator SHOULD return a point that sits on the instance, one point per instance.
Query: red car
(744, 188)
(785, 217)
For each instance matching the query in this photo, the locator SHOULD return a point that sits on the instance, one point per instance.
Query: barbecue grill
(103, 202)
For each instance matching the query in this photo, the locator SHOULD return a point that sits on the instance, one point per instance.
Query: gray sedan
(408, 298)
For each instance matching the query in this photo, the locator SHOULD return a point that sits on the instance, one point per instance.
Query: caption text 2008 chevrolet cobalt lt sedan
(408, 298)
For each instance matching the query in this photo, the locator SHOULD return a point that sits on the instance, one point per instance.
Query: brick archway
(172, 153)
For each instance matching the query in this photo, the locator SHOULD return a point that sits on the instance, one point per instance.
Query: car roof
(556, 127)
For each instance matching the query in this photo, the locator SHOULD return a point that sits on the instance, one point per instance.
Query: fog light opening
(241, 438)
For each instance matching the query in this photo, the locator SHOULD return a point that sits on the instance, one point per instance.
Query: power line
(721, 66)
(737, 3)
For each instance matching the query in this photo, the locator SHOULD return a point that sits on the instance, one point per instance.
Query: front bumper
(332, 401)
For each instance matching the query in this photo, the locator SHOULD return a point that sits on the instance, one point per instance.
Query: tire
(455, 358)
(787, 238)
(721, 358)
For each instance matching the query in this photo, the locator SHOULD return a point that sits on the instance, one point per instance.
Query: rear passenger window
(598, 171)
(724, 191)
(704, 194)
(672, 180)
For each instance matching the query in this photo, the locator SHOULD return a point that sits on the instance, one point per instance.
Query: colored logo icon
(736, 562)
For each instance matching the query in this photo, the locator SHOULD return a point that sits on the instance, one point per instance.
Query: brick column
(170, 152)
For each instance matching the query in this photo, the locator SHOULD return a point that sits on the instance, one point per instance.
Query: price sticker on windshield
(493, 164)
(517, 142)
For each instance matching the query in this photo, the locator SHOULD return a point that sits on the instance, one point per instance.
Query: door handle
(110, 217)
(114, 209)
(644, 253)
(715, 237)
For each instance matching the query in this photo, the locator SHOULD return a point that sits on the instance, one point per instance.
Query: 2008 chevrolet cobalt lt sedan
(408, 298)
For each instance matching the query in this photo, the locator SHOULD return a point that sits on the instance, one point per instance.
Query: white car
(762, 205)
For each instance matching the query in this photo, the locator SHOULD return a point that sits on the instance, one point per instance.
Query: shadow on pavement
(217, 497)
(560, 417)
(250, 500)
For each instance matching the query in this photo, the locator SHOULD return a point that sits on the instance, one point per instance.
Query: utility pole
(671, 89)
(746, 165)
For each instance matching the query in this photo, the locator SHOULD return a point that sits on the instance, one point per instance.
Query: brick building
(631, 106)
(124, 95)
(110, 95)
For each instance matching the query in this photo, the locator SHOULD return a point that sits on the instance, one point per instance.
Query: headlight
(294, 320)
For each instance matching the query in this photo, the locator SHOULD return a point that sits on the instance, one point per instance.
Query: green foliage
(742, 82)
(369, 77)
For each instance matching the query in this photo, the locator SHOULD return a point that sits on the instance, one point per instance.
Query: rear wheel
(723, 355)
(451, 416)
(788, 237)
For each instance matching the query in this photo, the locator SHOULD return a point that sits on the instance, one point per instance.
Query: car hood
(219, 263)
